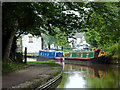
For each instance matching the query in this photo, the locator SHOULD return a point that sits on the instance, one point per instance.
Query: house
(78, 41)
(33, 44)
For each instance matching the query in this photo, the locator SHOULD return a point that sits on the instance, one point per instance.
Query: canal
(79, 74)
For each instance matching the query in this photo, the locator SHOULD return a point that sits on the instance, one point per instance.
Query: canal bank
(32, 77)
(114, 60)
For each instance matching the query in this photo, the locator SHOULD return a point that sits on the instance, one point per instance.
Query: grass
(12, 66)
(43, 62)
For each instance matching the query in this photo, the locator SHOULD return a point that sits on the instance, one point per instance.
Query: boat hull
(102, 59)
(45, 55)
(41, 58)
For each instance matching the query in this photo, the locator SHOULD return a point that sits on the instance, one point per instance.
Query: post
(61, 60)
(42, 42)
(25, 55)
(49, 46)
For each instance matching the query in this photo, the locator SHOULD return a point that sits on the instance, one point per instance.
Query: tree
(41, 17)
(48, 39)
(102, 22)
(17, 18)
(62, 39)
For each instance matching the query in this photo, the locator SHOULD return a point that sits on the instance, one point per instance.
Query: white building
(78, 41)
(33, 44)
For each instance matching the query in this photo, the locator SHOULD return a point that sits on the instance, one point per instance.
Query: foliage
(48, 39)
(111, 50)
(66, 51)
(100, 20)
(62, 38)
(103, 25)
(17, 57)
(36, 18)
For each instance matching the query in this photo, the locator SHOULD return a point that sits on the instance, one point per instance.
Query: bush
(112, 50)
(19, 57)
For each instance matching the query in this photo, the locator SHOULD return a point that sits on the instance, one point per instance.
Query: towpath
(30, 77)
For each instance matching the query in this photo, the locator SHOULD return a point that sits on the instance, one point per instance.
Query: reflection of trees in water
(98, 76)
(110, 81)
(85, 70)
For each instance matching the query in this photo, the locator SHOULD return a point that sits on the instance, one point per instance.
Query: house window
(30, 39)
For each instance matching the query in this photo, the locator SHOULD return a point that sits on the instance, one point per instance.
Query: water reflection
(89, 76)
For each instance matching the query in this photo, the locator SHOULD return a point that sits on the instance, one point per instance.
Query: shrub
(112, 50)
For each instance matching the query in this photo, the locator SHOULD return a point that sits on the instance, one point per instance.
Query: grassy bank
(43, 62)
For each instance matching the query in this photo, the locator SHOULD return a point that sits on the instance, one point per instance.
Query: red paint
(81, 51)
(79, 58)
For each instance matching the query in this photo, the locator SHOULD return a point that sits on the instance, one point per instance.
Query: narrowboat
(44, 55)
(96, 55)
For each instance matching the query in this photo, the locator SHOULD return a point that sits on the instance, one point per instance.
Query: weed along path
(31, 77)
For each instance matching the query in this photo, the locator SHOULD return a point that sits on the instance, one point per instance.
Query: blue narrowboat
(44, 55)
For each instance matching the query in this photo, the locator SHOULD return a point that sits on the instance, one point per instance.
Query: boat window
(70, 54)
(41, 53)
(81, 55)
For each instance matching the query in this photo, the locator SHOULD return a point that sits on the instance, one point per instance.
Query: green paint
(84, 55)
(90, 54)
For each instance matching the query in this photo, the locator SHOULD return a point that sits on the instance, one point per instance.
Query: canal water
(79, 74)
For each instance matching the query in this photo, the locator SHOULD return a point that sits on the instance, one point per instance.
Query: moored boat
(50, 55)
(96, 55)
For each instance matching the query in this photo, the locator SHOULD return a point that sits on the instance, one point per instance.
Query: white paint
(31, 47)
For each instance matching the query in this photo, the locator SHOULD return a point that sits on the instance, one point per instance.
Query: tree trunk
(7, 49)
(13, 49)
(8, 46)
(49, 46)
(62, 48)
